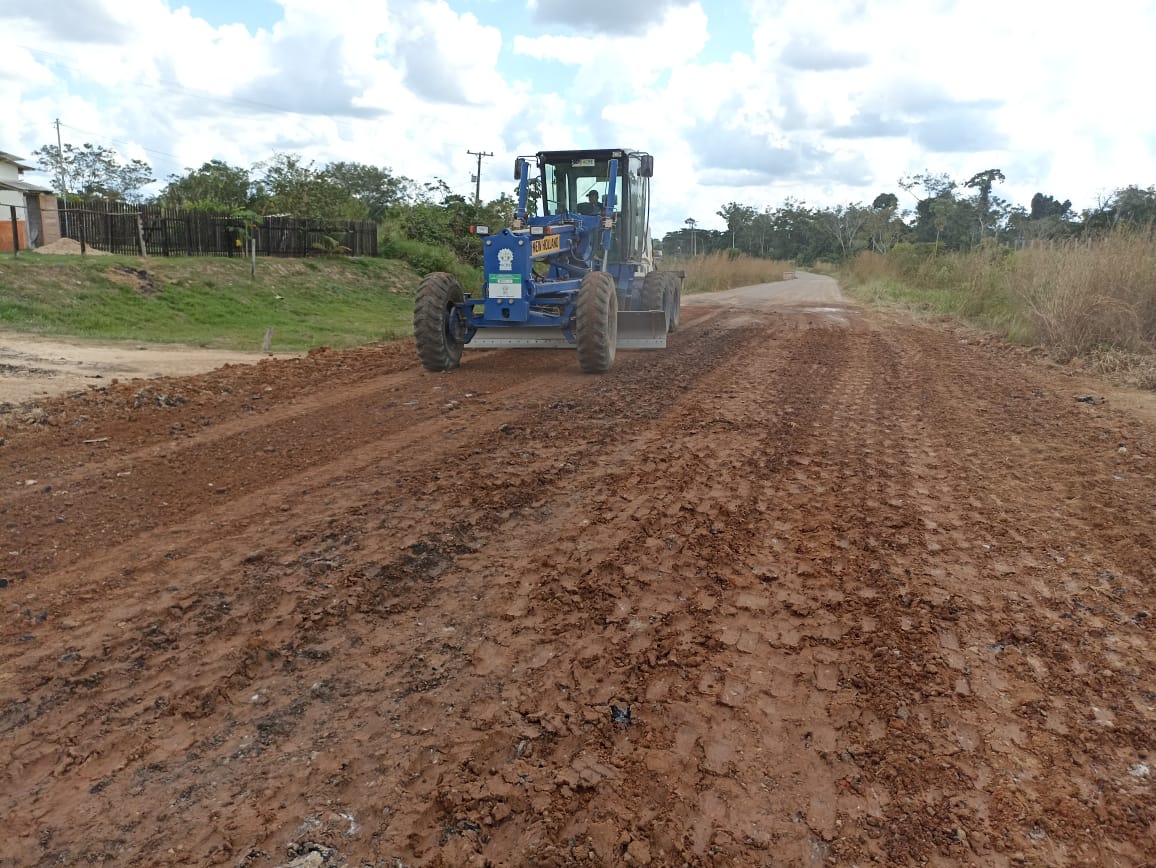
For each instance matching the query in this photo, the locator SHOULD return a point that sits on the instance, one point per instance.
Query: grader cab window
(578, 186)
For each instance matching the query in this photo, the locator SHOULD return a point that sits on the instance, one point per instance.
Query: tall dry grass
(721, 270)
(1094, 299)
(1082, 297)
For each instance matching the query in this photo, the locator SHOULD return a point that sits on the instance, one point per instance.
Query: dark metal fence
(118, 228)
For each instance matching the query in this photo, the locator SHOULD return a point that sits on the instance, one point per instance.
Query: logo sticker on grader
(545, 244)
(504, 286)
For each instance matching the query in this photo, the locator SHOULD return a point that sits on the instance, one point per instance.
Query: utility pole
(60, 160)
(478, 177)
(63, 178)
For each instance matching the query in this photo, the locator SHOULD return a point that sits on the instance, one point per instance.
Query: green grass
(978, 287)
(209, 301)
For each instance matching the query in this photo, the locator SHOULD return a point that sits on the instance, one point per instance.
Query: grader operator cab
(581, 274)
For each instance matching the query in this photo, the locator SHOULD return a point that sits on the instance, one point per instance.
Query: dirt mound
(68, 246)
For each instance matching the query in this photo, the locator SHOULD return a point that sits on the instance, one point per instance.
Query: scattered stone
(1089, 399)
(620, 715)
(638, 852)
(311, 855)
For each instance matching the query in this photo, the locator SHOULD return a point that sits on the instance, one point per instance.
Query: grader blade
(637, 330)
(641, 330)
(526, 337)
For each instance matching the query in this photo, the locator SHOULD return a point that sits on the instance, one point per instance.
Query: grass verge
(209, 301)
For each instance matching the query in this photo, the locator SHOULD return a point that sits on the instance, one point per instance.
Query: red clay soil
(812, 586)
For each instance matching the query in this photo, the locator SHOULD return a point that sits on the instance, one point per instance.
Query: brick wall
(6, 234)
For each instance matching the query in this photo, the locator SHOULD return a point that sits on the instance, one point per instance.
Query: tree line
(944, 213)
(286, 184)
(935, 210)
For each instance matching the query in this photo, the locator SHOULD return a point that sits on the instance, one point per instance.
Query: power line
(116, 141)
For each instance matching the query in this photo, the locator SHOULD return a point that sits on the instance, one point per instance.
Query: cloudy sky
(754, 101)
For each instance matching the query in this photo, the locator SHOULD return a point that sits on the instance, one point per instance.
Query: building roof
(22, 186)
(17, 161)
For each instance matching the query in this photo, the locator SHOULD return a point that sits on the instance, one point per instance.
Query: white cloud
(828, 102)
(604, 17)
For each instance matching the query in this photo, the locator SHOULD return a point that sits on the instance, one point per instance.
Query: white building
(37, 222)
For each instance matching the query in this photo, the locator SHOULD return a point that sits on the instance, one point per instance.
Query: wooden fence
(116, 228)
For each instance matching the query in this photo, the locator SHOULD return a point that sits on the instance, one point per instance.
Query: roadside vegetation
(209, 301)
(720, 270)
(1090, 303)
(1080, 283)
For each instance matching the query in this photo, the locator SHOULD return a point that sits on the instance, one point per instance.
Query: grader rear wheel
(655, 289)
(673, 299)
(596, 323)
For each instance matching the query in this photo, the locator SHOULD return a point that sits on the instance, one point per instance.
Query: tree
(216, 185)
(933, 185)
(844, 224)
(940, 217)
(740, 221)
(376, 188)
(691, 223)
(885, 202)
(982, 183)
(883, 227)
(1044, 207)
(1135, 206)
(95, 171)
(533, 194)
(288, 185)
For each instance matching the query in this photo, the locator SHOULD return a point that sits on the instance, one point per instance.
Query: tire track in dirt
(217, 611)
(803, 589)
(1021, 656)
(641, 603)
(252, 452)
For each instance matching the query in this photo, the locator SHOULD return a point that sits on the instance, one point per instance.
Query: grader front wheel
(596, 322)
(437, 328)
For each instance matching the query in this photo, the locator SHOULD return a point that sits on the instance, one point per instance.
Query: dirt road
(812, 586)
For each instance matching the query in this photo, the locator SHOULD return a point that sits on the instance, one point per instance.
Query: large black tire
(653, 289)
(596, 322)
(674, 300)
(656, 294)
(438, 347)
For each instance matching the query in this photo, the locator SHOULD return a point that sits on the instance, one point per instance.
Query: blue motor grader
(581, 274)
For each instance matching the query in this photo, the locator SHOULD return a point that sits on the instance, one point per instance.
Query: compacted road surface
(812, 586)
